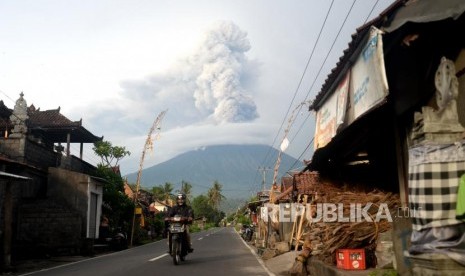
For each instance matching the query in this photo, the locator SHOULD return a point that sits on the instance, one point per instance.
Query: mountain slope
(233, 166)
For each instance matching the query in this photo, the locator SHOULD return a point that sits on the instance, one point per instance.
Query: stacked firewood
(327, 237)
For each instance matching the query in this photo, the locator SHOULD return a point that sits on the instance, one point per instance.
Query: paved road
(218, 251)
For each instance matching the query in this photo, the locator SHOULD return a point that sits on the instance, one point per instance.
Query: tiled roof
(56, 127)
(4, 111)
(5, 114)
(50, 118)
(306, 183)
(128, 190)
(50, 124)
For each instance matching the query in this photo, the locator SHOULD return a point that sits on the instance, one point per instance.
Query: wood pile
(327, 237)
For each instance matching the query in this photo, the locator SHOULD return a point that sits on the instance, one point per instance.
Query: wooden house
(397, 95)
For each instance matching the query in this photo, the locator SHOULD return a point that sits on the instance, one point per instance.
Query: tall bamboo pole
(148, 145)
(278, 160)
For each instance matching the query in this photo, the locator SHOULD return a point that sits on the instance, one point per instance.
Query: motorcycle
(119, 240)
(247, 232)
(177, 239)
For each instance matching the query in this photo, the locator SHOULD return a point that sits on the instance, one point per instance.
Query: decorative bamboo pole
(148, 145)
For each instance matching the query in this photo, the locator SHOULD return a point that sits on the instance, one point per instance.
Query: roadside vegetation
(150, 226)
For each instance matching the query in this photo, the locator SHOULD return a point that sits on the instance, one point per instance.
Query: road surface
(218, 251)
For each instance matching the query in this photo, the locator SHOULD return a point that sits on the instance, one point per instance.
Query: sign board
(342, 92)
(368, 76)
(332, 114)
(326, 122)
(360, 90)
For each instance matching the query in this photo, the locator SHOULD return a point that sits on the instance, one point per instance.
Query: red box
(353, 259)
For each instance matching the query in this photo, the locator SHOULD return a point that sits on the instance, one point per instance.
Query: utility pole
(148, 145)
(263, 170)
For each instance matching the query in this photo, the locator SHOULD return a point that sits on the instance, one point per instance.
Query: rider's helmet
(181, 199)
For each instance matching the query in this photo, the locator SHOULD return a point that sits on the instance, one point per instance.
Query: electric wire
(298, 87)
(301, 79)
(371, 11)
(318, 74)
(327, 55)
(301, 126)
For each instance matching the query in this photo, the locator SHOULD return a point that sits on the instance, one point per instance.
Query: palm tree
(167, 191)
(186, 188)
(158, 193)
(214, 195)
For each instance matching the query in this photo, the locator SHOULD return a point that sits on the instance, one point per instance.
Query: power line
(301, 78)
(371, 11)
(324, 61)
(301, 126)
(300, 82)
(330, 49)
(1, 91)
(298, 159)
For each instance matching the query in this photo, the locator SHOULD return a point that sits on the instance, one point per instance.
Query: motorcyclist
(182, 209)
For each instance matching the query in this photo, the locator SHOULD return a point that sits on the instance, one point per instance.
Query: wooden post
(299, 231)
(68, 143)
(7, 235)
(293, 230)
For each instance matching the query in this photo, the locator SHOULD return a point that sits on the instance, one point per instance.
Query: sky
(225, 71)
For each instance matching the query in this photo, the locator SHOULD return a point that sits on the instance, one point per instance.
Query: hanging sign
(368, 76)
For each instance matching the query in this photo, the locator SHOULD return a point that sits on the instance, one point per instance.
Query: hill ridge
(233, 166)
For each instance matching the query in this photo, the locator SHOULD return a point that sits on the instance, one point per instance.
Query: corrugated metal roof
(426, 11)
(345, 60)
(396, 15)
(14, 176)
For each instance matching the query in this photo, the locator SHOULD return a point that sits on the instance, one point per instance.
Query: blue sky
(228, 72)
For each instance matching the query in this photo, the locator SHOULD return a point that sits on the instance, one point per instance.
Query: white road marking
(259, 259)
(159, 257)
(199, 238)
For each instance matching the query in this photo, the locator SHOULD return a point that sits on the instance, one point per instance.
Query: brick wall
(47, 228)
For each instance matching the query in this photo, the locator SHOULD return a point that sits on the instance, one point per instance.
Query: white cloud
(117, 65)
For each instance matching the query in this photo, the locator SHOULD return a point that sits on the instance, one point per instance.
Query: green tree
(167, 191)
(109, 153)
(202, 208)
(164, 192)
(117, 207)
(214, 195)
(186, 188)
(158, 192)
